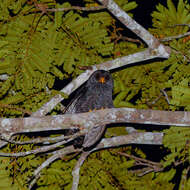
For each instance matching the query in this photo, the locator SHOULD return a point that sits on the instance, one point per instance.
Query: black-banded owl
(95, 94)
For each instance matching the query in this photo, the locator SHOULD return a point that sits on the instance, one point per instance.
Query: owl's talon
(92, 110)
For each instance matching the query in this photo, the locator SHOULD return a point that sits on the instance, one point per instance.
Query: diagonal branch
(76, 170)
(56, 155)
(108, 65)
(135, 138)
(156, 49)
(140, 31)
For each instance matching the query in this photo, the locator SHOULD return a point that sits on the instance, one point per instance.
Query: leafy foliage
(37, 48)
(165, 20)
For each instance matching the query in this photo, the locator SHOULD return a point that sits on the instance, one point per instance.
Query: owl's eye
(97, 77)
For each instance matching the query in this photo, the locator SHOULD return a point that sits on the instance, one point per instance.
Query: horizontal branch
(135, 138)
(42, 149)
(85, 121)
(147, 138)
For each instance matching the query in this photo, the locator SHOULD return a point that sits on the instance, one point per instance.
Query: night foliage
(37, 48)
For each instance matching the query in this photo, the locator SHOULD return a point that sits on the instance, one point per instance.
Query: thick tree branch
(135, 138)
(85, 121)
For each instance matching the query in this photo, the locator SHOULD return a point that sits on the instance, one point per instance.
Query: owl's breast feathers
(93, 101)
(96, 94)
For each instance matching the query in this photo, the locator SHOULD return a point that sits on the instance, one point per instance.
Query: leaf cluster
(37, 48)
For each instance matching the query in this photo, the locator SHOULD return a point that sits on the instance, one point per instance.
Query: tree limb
(123, 17)
(76, 170)
(135, 138)
(85, 121)
(56, 155)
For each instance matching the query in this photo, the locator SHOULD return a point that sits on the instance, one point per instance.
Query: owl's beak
(102, 80)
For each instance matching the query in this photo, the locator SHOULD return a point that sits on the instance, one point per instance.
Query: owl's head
(102, 78)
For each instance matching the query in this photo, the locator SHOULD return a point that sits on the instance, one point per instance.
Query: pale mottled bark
(86, 121)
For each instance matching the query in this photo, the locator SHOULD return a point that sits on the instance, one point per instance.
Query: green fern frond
(165, 19)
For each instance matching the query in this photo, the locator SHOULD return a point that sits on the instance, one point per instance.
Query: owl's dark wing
(72, 104)
(71, 108)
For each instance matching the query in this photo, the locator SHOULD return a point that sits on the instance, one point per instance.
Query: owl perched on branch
(95, 94)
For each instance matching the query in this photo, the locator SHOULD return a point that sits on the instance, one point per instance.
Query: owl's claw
(102, 108)
(92, 110)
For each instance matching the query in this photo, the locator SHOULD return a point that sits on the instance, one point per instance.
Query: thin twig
(44, 140)
(120, 37)
(163, 93)
(142, 160)
(155, 100)
(179, 25)
(166, 95)
(174, 37)
(143, 171)
(77, 8)
(39, 150)
(150, 165)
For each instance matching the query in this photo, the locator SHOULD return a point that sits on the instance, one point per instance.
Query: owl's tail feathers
(93, 136)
